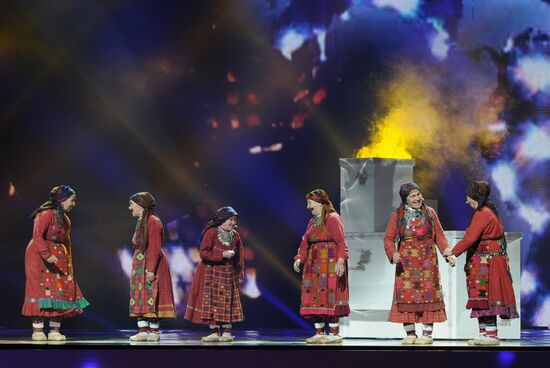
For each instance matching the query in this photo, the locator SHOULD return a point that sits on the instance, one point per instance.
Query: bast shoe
(39, 336)
(56, 336)
(153, 336)
(487, 341)
(424, 340)
(226, 337)
(140, 336)
(332, 339)
(474, 341)
(213, 337)
(409, 340)
(317, 339)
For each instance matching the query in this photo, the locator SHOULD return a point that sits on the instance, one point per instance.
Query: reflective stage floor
(531, 339)
(265, 348)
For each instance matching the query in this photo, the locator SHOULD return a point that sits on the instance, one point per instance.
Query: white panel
(369, 191)
(371, 288)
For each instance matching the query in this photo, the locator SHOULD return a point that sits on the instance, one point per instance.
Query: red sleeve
(239, 259)
(335, 227)
(154, 243)
(302, 250)
(440, 239)
(208, 252)
(390, 237)
(473, 233)
(42, 222)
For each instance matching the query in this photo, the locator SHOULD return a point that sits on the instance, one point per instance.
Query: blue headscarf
(222, 215)
(57, 195)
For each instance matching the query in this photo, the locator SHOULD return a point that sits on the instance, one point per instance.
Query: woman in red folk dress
(151, 295)
(417, 296)
(215, 293)
(51, 290)
(324, 254)
(488, 277)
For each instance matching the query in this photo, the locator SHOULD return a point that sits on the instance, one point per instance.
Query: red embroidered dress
(151, 299)
(417, 295)
(488, 278)
(323, 292)
(215, 293)
(51, 289)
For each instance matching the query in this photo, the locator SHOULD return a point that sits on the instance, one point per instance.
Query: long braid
(143, 227)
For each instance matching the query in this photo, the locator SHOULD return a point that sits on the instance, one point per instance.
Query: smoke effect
(431, 118)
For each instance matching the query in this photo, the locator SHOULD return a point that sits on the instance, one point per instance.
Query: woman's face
(415, 199)
(229, 224)
(316, 208)
(135, 209)
(69, 203)
(473, 203)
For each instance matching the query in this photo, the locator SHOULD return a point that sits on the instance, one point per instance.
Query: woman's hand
(451, 260)
(296, 265)
(447, 252)
(150, 276)
(228, 254)
(396, 257)
(52, 259)
(340, 267)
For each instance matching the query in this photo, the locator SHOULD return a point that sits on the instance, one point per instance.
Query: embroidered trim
(412, 214)
(494, 254)
(62, 304)
(317, 220)
(225, 237)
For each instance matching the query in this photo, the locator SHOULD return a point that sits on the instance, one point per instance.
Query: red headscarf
(320, 196)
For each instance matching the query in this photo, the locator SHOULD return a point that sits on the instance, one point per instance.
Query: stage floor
(270, 339)
(264, 349)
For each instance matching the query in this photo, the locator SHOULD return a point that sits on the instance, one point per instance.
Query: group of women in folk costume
(52, 292)
(413, 237)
